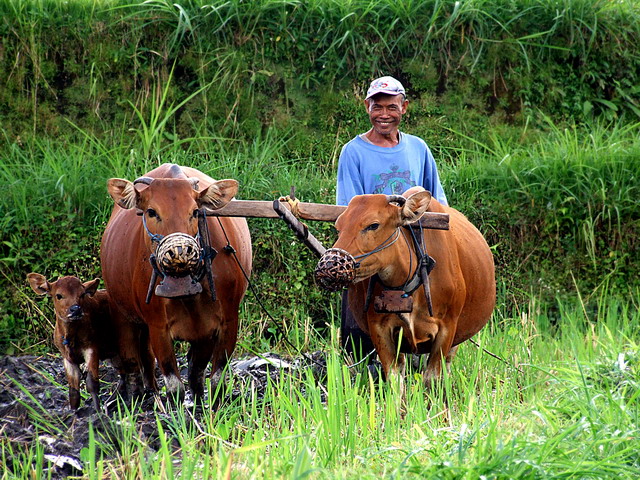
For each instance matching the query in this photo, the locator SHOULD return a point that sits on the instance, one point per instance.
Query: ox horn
(399, 199)
(195, 183)
(145, 180)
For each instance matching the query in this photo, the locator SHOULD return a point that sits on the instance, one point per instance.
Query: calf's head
(367, 233)
(69, 295)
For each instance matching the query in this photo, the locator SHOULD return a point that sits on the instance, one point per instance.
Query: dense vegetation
(532, 110)
(564, 406)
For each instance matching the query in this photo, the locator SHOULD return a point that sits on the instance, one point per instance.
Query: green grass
(531, 109)
(558, 206)
(563, 403)
(246, 66)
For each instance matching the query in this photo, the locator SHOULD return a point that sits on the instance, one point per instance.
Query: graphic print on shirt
(397, 182)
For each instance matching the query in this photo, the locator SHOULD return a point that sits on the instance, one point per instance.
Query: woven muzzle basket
(336, 270)
(178, 254)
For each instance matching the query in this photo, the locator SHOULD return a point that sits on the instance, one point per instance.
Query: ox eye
(372, 227)
(58, 296)
(196, 212)
(152, 213)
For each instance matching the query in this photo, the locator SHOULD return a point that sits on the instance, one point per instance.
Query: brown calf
(84, 331)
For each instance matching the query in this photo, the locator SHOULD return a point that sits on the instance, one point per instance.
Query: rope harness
(420, 276)
(386, 244)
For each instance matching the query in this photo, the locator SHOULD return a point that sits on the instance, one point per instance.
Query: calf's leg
(93, 382)
(73, 379)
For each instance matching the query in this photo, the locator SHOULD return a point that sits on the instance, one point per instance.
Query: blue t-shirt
(367, 168)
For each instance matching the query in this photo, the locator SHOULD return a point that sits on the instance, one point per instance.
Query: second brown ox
(168, 201)
(462, 284)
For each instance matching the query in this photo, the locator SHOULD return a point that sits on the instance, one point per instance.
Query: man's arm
(431, 180)
(349, 182)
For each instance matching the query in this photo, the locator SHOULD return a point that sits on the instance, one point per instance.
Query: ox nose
(75, 312)
(336, 270)
(178, 254)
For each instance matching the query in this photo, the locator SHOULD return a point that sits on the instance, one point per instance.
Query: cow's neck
(403, 265)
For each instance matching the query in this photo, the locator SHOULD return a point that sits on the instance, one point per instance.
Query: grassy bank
(531, 109)
(561, 403)
(247, 66)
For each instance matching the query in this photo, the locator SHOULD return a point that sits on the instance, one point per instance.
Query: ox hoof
(74, 398)
(175, 388)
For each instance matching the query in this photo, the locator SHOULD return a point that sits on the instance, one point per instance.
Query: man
(382, 160)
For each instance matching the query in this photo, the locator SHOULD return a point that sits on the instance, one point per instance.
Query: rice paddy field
(532, 111)
(561, 401)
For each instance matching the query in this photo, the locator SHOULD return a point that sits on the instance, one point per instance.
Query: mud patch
(34, 406)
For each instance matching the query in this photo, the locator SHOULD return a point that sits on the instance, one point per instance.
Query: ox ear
(39, 283)
(218, 194)
(415, 206)
(123, 192)
(90, 288)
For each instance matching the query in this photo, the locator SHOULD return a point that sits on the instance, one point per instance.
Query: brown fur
(463, 286)
(210, 327)
(84, 331)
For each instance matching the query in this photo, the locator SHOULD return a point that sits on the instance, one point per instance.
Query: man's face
(385, 112)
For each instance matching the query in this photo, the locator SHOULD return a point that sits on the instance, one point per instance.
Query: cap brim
(387, 92)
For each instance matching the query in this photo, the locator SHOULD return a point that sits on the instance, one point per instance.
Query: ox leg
(387, 348)
(222, 354)
(129, 362)
(441, 348)
(93, 382)
(163, 349)
(147, 362)
(121, 388)
(352, 338)
(449, 357)
(200, 353)
(386, 340)
(73, 379)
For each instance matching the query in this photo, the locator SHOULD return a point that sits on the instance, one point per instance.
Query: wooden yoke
(310, 211)
(264, 209)
(291, 211)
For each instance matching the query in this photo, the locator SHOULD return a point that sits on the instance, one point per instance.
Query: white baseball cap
(388, 85)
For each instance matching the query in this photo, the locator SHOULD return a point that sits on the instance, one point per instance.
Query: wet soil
(34, 407)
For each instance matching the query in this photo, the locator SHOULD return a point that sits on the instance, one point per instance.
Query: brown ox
(84, 331)
(462, 284)
(165, 201)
